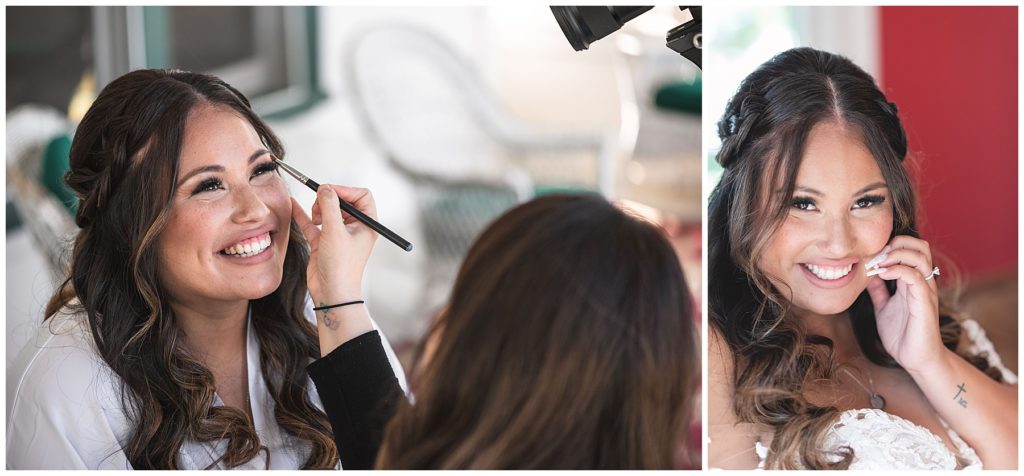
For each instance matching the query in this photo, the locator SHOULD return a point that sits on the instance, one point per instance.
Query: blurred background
(449, 115)
(952, 71)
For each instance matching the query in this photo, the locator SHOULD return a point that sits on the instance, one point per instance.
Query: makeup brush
(348, 208)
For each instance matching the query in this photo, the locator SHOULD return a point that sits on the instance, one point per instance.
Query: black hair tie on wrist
(321, 308)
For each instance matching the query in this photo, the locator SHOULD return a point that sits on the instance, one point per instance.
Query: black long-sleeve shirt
(360, 393)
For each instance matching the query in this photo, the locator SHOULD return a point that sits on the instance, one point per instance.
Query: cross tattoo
(328, 321)
(962, 401)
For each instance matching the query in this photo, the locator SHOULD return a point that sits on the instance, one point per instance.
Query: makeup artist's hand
(908, 321)
(340, 247)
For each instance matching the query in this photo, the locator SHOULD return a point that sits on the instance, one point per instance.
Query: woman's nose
(249, 206)
(838, 236)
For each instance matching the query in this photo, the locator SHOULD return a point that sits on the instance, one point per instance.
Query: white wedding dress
(884, 441)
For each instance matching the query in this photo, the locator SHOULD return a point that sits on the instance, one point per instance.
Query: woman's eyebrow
(217, 168)
(870, 188)
(811, 191)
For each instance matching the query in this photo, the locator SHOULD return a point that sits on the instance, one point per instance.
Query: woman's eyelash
(807, 203)
(207, 185)
(869, 201)
(267, 167)
(803, 203)
(211, 184)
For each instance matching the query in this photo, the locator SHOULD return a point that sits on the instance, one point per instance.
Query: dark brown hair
(124, 162)
(568, 343)
(764, 131)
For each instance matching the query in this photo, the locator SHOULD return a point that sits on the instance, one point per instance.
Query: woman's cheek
(275, 195)
(876, 230)
(784, 245)
(796, 231)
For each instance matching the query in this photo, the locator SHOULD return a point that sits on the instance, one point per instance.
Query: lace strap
(762, 454)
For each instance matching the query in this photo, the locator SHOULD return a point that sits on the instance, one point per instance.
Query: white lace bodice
(881, 440)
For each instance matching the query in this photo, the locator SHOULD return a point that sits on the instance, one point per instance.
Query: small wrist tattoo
(961, 389)
(330, 322)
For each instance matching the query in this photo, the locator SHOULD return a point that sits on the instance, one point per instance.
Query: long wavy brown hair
(568, 343)
(763, 132)
(124, 162)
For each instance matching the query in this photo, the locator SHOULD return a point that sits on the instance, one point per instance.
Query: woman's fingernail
(877, 271)
(882, 255)
(874, 261)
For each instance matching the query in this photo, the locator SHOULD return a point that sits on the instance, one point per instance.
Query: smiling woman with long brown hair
(181, 336)
(829, 347)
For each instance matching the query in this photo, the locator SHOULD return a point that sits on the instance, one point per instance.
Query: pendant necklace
(876, 399)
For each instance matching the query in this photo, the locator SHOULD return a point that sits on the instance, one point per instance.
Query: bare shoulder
(732, 443)
(720, 369)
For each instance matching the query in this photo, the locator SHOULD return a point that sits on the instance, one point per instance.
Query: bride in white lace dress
(829, 346)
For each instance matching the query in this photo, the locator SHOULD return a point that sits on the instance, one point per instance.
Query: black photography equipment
(585, 25)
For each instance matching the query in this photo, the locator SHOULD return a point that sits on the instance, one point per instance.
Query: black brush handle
(370, 222)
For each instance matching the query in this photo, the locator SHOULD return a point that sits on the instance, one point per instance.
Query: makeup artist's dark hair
(568, 343)
(764, 132)
(124, 162)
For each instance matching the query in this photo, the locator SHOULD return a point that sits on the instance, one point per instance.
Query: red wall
(952, 71)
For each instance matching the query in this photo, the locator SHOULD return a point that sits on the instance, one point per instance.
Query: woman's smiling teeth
(250, 247)
(828, 272)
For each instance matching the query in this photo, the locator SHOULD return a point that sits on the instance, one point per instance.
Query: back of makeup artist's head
(567, 343)
(124, 164)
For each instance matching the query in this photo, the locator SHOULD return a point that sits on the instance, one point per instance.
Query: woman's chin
(826, 308)
(260, 290)
(262, 295)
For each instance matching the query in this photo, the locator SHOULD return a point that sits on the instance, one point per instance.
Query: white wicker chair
(435, 121)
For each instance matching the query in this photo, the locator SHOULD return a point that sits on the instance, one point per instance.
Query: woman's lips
(828, 277)
(828, 272)
(250, 246)
(250, 251)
